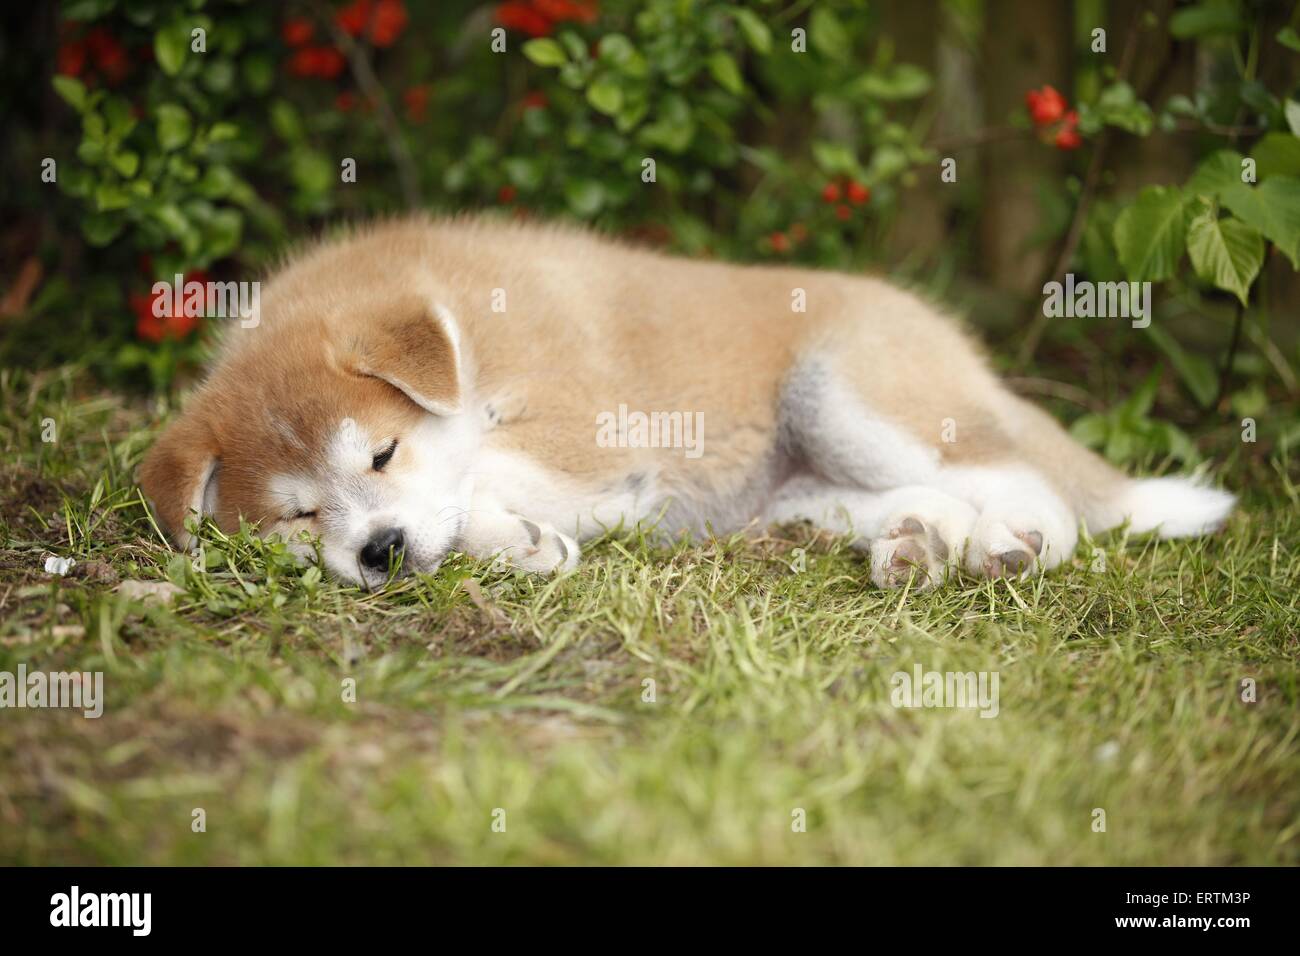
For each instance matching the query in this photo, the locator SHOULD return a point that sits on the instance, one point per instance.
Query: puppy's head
(345, 426)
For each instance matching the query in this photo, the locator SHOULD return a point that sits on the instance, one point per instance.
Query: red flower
(779, 242)
(1067, 137)
(381, 21)
(108, 54)
(522, 17)
(72, 58)
(537, 18)
(416, 101)
(506, 194)
(535, 100)
(1046, 106)
(354, 17)
(388, 22)
(297, 31)
(582, 11)
(843, 212)
(323, 61)
(831, 192)
(858, 193)
(171, 323)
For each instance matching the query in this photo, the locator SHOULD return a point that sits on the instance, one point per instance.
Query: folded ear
(413, 345)
(179, 476)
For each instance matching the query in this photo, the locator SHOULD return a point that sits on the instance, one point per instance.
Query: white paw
(541, 549)
(921, 545)
(1016, 542)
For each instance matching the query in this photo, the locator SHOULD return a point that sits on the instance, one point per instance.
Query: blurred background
(975, 150)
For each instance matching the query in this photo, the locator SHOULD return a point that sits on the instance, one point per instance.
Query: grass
(478, 692)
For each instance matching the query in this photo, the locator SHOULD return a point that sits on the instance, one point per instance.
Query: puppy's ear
(414, 345)
(179, 476)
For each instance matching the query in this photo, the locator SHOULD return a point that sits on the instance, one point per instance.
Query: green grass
(1119, 690)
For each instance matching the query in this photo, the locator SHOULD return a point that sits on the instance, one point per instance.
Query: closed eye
(384, 457)
(303, 515)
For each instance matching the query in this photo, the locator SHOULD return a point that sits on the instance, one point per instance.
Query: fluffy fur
(486, 356)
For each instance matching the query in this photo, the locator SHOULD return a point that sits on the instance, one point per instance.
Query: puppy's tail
(1172, 507)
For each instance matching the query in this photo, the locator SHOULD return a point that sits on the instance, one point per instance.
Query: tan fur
(589, 323)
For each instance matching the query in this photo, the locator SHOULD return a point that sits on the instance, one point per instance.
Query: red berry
(858, 193)
(779, 242)
(831, 192)
(843, 212)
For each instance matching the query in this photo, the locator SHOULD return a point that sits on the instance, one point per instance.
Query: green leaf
(585, 196)
(1149, 234)
(617, 50)
(828, 36)
(286, 122)
(1277, 154)
(1205, 19)
(835, 159)
(755, 31)
(524, 172)
(673, 126)
(545, 52)
(1289, 38)
(1273, 208)
(174, 126)
(1226, 253)
(1216, 173)
(126, 163)
(1292, 111)
(1119, 106)
(171, 45)
(109, 197)
(1196, 371)
(101, 228)
(605, 95)
(724, 69)
(72, 91)
(903, 81)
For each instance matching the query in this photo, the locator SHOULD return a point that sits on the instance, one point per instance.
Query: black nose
(382, 545)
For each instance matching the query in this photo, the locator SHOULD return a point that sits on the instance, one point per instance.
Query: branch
(364, 74)
(1225, 373)
(1077, 222)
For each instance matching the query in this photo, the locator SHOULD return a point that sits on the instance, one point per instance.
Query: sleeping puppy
(511, 390)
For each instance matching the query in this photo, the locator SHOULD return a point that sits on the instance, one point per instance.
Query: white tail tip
(1174, 507)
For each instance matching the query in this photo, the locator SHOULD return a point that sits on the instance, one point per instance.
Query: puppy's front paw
(541, 549)
(911, 551)
(999, 552)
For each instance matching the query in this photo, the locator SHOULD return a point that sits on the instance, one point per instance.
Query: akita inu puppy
(426, 386)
